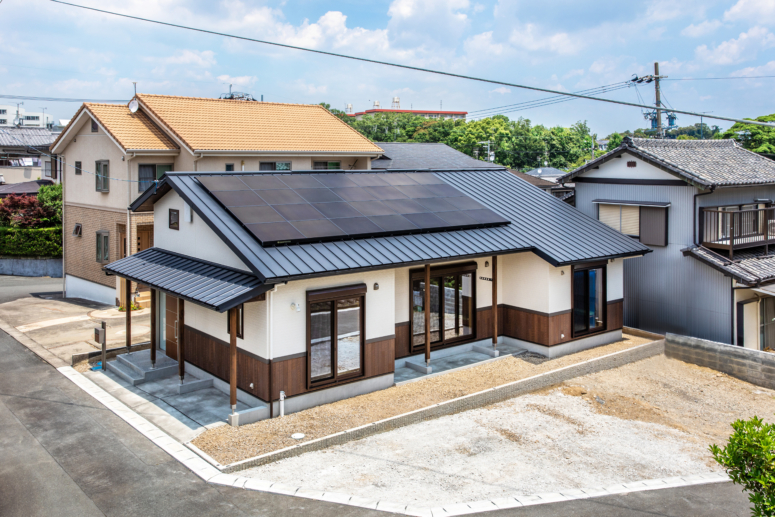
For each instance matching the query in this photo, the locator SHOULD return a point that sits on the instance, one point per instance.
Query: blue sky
(47, 49)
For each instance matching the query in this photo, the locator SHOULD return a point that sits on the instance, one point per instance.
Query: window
(624, 218)
(335, 335)
(103, 247)
(31, 117)
(452, 316)
(93, 126)
(102, 175)
(589, 300)
(327, 165)
(767, 322)
(3, 112)
(147, 173)
(78, 230)
(647, 223)
(229, 167)
(240, 322)
(274, 166)
(3, 121)
(174, 219)
(47, 169)
(77, 168)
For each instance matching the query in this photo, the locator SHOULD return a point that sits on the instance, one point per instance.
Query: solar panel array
(297, 208)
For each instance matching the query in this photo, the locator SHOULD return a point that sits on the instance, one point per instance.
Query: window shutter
(631, 220)
(653, 226)
(610, 215)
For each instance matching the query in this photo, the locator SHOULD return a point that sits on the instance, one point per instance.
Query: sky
(54, 50)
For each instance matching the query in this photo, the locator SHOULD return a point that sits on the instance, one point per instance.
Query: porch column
(427, 314)
(154, 330)
(233, 359)
(494, 302)
(181, 341)
(128, 307)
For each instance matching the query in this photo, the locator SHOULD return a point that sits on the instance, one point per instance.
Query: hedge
(29, 242)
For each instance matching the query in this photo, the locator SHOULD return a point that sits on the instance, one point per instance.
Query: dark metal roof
(26, 187)
(633, 203)
(210, 285)
(703, 163)
(405, 155)
(541, 223)
(751, 267)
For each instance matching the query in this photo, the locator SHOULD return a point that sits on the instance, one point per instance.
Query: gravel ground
(650, 419)
(228, 444)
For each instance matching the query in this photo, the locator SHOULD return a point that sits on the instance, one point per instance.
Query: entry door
(171, 326)
(144, 239)
(451, 309)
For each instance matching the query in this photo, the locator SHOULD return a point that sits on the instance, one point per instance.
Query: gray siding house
(706, 210)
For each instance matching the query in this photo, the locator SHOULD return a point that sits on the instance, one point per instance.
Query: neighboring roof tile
(412, 155)
(751, 267)
(26, 187)
(25, 136)
(237, 125)
(533, 180)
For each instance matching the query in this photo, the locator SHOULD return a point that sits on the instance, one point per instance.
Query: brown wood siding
(290, 376)
(403, 340)
(535, 327)
(483, 323)
(615, 315)
(380, 357)
(170, 320)
(653, 226)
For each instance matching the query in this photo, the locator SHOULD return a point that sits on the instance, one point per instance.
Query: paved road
(15, 287)
(62, 453)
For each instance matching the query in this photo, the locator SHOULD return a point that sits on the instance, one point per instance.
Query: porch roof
(213, 286)
(752, 267)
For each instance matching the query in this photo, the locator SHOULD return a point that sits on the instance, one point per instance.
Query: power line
(59, 99)
(718, 78)
(406, 67)
(545, 98)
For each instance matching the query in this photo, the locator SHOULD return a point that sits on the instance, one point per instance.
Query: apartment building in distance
(112, 153)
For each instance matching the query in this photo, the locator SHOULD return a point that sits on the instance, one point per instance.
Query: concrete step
(123, 371)
(165, 367)
(131, 365)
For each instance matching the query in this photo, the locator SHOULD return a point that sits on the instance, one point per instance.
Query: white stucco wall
(215, 324)
(615, 279)
(195, 239)
(529, 282)
(617, 168)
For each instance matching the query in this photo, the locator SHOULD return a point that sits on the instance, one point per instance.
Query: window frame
(240, 321)
(176, 223)
(78, 168)
(94, 127)
(78, 230)
(333, 295)
(588, 267)
(102, 179)
(328, 165)
(229, 167)
(442, 271)
(156, 176)
(274, 166)
(103, 237)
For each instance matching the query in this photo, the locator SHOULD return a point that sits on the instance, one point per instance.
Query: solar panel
(300, 207)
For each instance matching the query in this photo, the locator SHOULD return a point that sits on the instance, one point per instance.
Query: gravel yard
(650, 419)
(228, 444)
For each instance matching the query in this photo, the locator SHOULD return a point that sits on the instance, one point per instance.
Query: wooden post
(154, 329)
(427, 314)
(128, 308)
(494, 302)
(181, 341)
(233, 359)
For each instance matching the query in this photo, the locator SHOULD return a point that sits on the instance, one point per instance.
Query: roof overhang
(155, 152)
(204, 283)
(320, 154)
(159, 122)
(659, 204)
(69, 133)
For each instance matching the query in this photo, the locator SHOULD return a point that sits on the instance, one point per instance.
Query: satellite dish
(133, 105)
(16, 121)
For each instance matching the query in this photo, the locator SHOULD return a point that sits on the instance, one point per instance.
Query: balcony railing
(721, 229)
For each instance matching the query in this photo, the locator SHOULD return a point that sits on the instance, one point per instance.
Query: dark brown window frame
(332, 295)
(176, 224)
(240, 321)
(585, 267)
(442, 271)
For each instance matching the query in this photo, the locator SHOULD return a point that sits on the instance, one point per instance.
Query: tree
(50, 197)
(759, 139)
(686, 137)
(749, 459)
(614, 141)
(23, 211)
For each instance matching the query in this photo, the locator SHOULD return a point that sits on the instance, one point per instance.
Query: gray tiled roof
(23, 136)
(210, 285)
(705, 162)
(541, 223)
(25, 187)
(402, 155)
(751, 267)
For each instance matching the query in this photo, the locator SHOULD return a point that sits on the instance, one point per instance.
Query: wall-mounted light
(376, 286)
(486, 263)
(562, 272)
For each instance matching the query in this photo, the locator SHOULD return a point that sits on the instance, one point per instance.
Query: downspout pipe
(694, 212)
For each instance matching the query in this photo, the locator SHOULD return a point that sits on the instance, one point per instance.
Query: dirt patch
(228, 444)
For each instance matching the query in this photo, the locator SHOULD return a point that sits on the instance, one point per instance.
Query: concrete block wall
(31, 266)
(749, 365)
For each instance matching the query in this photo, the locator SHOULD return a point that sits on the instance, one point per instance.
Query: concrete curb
(33, 345)
(474, 400)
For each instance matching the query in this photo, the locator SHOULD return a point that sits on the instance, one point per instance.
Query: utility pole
(657, 77)
(44, 117)
(702, 127)
(18, 117)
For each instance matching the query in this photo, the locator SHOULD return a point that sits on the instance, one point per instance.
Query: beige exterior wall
(21, 174)
(251, 163)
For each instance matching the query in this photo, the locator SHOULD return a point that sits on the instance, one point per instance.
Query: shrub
(50, 197)
(22, 211)
(26, 242)
(749, 459)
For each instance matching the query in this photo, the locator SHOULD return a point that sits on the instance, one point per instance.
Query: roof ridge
(226, 100)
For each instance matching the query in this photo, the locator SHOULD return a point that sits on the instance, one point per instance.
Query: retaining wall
(31, 266)
(475, 400)
(745, 364)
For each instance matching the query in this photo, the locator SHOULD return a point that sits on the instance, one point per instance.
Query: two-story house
(111, 153)
(706, 210)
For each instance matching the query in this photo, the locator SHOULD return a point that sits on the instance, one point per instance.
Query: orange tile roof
(130, 130)
(235, 125)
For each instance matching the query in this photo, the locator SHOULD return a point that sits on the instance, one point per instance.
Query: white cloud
(751, 71)
(502, 90)
(483, 46)
(573, 73)
(243, 80)
(204, 59)
(530, 37)
(310, 88)
(737, 50)
(701, 29)
(761, 12)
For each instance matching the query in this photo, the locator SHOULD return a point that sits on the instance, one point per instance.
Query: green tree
(50, 197)
(759, 139)
(614, 141)
(686, 137)
(749, 459)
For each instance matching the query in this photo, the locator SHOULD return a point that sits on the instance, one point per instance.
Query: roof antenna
(135, 83)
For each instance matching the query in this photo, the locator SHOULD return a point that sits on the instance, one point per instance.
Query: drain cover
(297, 436)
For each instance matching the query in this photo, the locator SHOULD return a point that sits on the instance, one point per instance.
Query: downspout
(694, 212)
(269, 338)
(196, 159)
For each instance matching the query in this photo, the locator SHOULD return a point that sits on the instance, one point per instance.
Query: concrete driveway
(64, 326)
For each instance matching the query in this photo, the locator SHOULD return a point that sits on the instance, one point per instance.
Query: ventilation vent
(632, 164)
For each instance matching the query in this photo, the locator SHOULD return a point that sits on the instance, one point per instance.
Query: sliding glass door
(589, 300)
